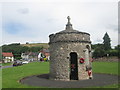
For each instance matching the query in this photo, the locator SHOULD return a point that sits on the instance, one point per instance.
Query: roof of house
(6, 54)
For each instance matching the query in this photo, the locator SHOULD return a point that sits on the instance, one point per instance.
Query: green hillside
(44, 45)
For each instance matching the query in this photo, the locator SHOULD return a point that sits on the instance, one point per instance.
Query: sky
(33, 21)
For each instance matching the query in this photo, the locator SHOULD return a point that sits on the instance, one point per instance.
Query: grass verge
(12, 75)
(106, 67)
(6, 64)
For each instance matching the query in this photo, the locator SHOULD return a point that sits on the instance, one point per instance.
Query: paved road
(43, 81)
(7, 66)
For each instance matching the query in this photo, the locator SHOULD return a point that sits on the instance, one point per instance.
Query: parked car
(25, 62)
(17, 63)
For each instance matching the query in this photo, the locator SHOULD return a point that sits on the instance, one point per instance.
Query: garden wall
(107, 59)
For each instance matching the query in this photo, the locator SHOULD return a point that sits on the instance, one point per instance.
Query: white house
(30, 56)
(7, 57)
(25, 56)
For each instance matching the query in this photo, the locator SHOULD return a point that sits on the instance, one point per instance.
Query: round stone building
(70, 55)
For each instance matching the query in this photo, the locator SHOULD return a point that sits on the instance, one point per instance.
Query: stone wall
(107, 59)
(69, 37)
(60, 60)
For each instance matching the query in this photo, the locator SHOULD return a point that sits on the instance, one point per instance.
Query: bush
(99, 53)
(18, 58)
(113, 52)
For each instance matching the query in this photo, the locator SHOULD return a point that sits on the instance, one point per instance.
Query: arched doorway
(73, 66)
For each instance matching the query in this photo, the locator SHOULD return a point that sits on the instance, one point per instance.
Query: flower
(82, 60)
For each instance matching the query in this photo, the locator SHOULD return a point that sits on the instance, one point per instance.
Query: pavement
(7, 66)
(43, 81)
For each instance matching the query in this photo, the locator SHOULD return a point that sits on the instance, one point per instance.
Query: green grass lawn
(105, 67)
(0, 79)
(11, 76)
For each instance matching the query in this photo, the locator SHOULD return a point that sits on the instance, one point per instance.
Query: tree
(99, 45)
(118, 49)
(106, 42)
(17, 49)
(99, 51)
(0, 53)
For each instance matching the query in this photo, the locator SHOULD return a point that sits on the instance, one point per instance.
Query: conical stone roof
(70, 35)
(69, 29)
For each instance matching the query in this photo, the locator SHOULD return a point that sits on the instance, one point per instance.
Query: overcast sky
(33, 21)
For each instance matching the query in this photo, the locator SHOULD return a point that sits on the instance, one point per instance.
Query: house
(44, 53)
(7, 57)
(30, 56)
(24, 56)
(34, 56)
